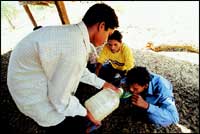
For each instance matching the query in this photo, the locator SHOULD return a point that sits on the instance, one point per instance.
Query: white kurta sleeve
(92, 79)
(62, 87)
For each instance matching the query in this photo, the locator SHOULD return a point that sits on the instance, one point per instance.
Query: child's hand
(139, 101)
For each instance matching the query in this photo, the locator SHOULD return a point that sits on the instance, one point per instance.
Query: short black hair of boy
(116, 35)
(101, 12)
(139, 75)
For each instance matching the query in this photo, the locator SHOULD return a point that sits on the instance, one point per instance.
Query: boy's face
(137, 89)
(114, 45)
(101, 36)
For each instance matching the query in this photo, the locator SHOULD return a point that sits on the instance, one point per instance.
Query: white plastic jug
(103, 103)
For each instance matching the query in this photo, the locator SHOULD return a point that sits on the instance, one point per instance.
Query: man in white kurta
(45, 69)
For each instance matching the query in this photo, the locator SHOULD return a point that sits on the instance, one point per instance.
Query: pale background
(140, 22)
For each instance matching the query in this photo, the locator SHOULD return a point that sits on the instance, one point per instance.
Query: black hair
(116, 35)
(139, 75)
(101, 13)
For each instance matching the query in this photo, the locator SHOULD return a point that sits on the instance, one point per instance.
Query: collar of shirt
(155, 82)
(150, 87)
(93, 49)
(86, 37)
(84, 32)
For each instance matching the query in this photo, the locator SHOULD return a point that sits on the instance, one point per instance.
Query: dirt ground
(177, 23)
(124, 120)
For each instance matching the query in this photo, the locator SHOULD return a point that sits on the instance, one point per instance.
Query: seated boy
(115, 59)
(152, 94)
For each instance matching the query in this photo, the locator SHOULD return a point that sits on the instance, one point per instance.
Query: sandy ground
(149, 21)
(126, 119)
(140, 22)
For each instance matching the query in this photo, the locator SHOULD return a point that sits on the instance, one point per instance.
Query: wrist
(146, 106)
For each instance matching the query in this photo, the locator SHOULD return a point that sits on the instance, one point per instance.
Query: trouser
(91, 67)
(108, 73)
(71, 125)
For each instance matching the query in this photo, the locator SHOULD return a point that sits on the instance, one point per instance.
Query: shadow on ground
(124, 120)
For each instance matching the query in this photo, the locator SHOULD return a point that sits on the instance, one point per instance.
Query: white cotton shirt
(45, 69)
